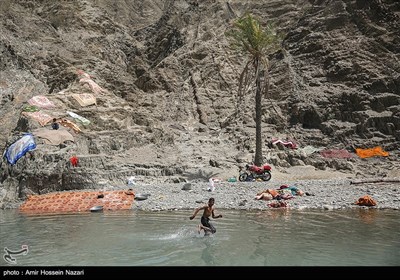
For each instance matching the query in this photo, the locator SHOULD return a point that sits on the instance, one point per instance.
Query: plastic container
(211, 186)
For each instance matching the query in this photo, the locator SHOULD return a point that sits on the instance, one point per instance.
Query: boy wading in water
(205, 219)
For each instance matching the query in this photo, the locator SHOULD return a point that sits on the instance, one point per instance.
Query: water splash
(181, 233)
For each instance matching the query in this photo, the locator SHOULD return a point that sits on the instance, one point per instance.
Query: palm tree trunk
(258, 160)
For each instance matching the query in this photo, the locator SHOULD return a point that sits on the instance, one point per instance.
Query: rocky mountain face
(167, 84)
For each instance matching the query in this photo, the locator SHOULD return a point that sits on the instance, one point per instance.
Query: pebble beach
(328, 194)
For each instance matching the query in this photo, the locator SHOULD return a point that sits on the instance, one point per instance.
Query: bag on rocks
(366, 200)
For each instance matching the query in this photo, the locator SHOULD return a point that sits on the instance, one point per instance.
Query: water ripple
(283, 237)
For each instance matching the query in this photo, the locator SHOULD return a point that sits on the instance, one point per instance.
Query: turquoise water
(276, 237)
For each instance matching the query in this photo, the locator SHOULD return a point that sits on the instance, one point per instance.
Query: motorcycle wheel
(266, 176)
(243, 177)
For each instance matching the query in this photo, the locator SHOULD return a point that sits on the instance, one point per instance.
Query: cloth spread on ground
(366, 200)
(285, 143)
(41, 101)
(78, 201)
(20, 147)
(39, 116)
(68, 123)
(272, 192)
(284, 192)
(92, 85)
(336, 153)
(52, 136)
(376, 151)
(309, 150)
(87, 80)
(292, 189)
(30, 108)
(79, 118)
(85, 99)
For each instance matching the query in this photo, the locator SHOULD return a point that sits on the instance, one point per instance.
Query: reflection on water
(367, 216)
(277, 237)
(208, 253)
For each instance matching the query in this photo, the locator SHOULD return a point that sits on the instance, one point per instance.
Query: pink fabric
(286, 143)
(41, 101)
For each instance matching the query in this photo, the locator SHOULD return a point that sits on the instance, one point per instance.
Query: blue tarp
(20, 147)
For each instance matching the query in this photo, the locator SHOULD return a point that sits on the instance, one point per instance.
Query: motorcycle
(253, 172)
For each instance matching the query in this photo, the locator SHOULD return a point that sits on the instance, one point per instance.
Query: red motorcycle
(253, 172)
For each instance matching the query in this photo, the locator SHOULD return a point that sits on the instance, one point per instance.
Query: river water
(276, 237)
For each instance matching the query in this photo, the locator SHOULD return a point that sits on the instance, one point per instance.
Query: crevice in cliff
(201, 115)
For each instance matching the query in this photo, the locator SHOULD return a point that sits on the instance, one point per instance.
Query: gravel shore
(329, 194)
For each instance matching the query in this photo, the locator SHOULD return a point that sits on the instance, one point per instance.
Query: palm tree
(248, 37)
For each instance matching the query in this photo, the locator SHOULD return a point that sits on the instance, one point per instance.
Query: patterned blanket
(41, 101)
(85, 99)
(39, 116)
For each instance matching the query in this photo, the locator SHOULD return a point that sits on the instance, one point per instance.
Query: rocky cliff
(165, 86)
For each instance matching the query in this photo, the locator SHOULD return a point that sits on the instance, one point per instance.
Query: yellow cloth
(84, 99)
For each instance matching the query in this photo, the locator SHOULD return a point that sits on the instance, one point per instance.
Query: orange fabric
(366, 200)
(73, 126)
(273, 192)
(78, 201)
(376, 151)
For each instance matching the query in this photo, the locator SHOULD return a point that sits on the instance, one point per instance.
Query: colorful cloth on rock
(376, 151)
(85, 99)
(79, 118)
(68, 123)
(39, 116)
(285, 143)
(74, 161)
(41, 101)
(20, 147)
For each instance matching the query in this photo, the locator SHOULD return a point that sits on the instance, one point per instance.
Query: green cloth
(30, 108)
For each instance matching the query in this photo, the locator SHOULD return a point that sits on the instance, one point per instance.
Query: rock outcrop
(165, 83)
